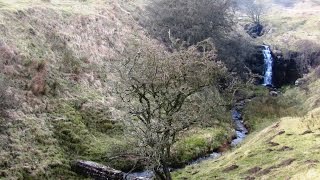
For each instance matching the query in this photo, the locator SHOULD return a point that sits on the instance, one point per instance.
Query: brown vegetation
(188, 21)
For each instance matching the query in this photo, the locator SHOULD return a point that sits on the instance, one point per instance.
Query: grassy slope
(76, 118)
(258, 153)
(289, 148)
(295, 155)
(288, 25)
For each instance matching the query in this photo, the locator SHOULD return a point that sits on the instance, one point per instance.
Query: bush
(6, 100)
(308, 56)
(187, 20)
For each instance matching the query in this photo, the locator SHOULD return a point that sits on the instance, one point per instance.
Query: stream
(268, 65)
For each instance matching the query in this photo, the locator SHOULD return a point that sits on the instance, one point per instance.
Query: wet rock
(273, 93)
(96, 171)
(254, 29)
(285, 70)
(231, 168)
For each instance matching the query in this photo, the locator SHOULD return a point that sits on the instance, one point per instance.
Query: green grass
(199, 142)
(257, 152)
(289, 147)
(289, 26)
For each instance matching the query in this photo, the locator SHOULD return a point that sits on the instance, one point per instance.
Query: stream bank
(240, 134)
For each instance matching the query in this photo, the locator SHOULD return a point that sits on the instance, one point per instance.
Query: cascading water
(268, 63)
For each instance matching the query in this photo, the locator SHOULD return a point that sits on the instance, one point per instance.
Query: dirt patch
(231, 168)
(307, 132)
(249, 178)
(286, 162)
(282, 164)
(285, 148)
(269, 150)
(275, 126)
(279, 133)
(224, 147)
(273, 144)
(311, 161)
(266, 171)
(254, 170)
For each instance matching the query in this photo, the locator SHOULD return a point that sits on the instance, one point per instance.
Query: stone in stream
(273, 93)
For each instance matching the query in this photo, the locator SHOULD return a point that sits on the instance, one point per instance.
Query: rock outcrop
(285, 70)
(254, 29)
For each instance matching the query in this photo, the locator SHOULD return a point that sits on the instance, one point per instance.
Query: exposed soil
(254, 170)
(285, 148)
(273, 144)
(231, 168)
(282, 164)
(286, 162)
(279, 133)
(249, 178)
(307, 132)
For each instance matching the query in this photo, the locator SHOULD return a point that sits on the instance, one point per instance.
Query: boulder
(254, 29)
(273, 93)
(96, 171)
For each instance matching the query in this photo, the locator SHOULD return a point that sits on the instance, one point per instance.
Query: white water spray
(268, 62)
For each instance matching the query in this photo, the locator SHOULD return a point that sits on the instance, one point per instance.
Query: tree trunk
(167, 173)
(166, 170)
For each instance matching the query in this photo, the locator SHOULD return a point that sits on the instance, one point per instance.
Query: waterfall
(268, 62)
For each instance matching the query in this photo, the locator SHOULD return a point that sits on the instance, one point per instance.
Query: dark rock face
(254, 29)
(285, 71)
(96, 171)
(256, 64)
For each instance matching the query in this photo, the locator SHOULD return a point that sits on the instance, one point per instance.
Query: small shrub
(38, 82)
(6, 100)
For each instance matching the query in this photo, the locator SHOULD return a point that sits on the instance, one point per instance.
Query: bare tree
(253, 9)
(162, 94)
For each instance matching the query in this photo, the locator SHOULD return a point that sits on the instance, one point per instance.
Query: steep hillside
(284, 143)
(57, 96)
(289, 24)
(55, 80)
(289, 148)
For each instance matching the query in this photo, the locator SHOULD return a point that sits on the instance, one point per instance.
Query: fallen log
(96, 171)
